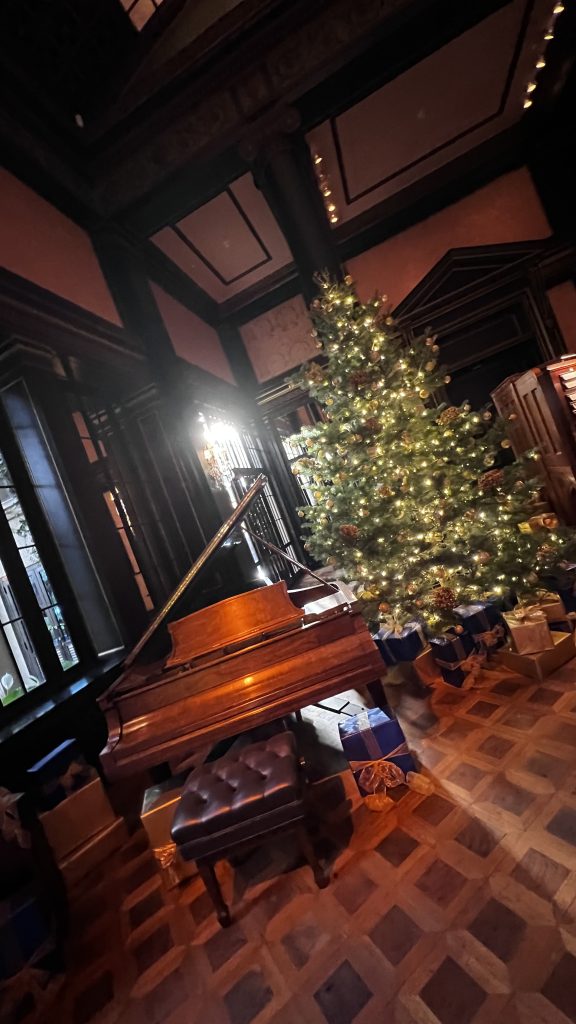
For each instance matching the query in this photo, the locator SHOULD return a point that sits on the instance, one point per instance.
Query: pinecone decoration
(491, 480)
(448, 416)
(359, 379)
(349, 533)
(444, 598)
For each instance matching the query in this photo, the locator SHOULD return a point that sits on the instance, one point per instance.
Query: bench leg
(321, 876)
(208, 876)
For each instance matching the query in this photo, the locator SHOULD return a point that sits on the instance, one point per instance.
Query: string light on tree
(413, 501)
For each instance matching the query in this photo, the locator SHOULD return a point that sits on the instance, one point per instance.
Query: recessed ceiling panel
(465, 92)
(229, 243)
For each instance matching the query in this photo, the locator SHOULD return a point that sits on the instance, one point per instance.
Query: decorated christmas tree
(417, 501)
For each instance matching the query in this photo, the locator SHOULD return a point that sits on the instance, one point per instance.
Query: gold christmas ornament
(423, 394)
(435, 348)
(505, 443)
(348, 279)
(487, 416)
(384, 608)
(466, 407)
(430, 366)
(488, 460)
(447, 378)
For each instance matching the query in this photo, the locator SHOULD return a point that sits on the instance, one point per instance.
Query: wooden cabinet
(543, 401)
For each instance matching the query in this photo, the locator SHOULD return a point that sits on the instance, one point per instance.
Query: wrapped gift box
(563, 581)
(529, 630)
(538, 666)
(401, 643)
(59, 774)
(101, 845)
(454, 655)
(376, 750)
(426, 668)
(24, 931)
(553, 606)
(483, 622)
(158, 807)
(76, 819)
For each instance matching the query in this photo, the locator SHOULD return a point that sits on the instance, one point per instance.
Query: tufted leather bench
(238, 800)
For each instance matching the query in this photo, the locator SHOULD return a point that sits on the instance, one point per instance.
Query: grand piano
(234, 665)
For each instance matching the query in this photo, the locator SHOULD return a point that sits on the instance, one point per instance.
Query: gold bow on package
(376, 778)
(552, 605)
(529, 629)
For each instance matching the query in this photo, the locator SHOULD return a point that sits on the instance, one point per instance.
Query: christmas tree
(411, 499)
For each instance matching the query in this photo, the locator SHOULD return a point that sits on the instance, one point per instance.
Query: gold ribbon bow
(381, 775)
(525, 613)
(490, 637)
(472, 666)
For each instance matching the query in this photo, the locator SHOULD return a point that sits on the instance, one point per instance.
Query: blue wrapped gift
(401, 643)
(376, 750)
(484, 623)
(455, 656)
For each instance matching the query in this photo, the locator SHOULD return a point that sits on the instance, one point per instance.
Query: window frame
(56, 676)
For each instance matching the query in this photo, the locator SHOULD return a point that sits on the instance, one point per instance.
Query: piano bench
(241, 800)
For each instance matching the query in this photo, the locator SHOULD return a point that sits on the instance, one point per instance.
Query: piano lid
(236, 620)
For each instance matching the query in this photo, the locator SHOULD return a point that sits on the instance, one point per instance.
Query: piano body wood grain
(233, 666)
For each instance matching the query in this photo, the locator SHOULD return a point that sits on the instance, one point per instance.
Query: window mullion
(27, 603)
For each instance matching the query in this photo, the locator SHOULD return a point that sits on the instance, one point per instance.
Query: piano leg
(208, 876)
(321, 876)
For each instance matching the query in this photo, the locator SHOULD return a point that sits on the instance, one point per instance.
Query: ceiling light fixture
(541, 62)
(325, 189)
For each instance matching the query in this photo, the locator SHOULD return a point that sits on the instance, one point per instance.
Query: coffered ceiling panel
(229, 243)
(462, 94)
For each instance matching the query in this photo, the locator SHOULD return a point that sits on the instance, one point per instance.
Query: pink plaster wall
(46, 247)
(192, 338)
(563, 300)
(506, 210)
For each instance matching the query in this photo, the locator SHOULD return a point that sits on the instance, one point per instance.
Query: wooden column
(283, 171)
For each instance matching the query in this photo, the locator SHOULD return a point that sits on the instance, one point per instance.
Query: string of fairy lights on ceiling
(541, 61)
(325, 188)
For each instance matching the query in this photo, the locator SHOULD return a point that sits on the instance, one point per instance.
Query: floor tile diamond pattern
(456, 906)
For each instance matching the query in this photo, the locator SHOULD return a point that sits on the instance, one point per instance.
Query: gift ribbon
(74, 771)
(166, 858)
(471, 666)
(381, 771)
(362, 723)
(525, 613)
(490, 638)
